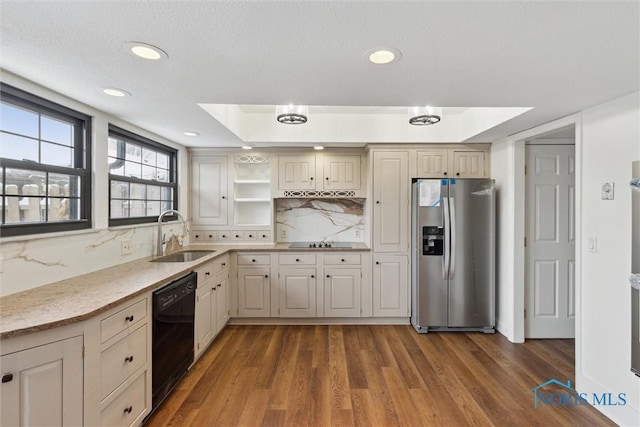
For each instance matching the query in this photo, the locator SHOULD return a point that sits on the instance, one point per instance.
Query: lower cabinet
(297, 292)
(390, 285)
(43, 385)
(342, 289)
(222, 299)
(206, 319)
(254, 291)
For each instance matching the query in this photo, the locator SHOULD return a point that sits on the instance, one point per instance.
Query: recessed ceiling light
(112, 91)
(188, 133)
(318, 147)
(247, 147)
(146, 51)
(381, 56)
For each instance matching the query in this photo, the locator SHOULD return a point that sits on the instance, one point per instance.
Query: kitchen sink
(183, 256)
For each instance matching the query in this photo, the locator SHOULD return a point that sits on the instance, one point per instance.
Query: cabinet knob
(377, 262)
(224, 264)
(327, 178)
(266, 276)
(342, 260)
(250, 236)
(377, 202)
(311, 178)
(312, 276)
(328, 276)
(457, 173)
(219, 285)
(297, 260)
(211, 236)
(7, 378)
(224, 236)
(129, 318)
(197, 236)
(207, 274)
(445, 174)
(224, 197)
(264, 236)
(237, 236)
(253, 260)
(129, 359)
(214, 288)
(128, 410)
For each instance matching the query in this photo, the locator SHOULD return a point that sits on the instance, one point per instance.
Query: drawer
(254, 259)
(342, 259)
(297, 259)
(250, 235)
(220, 263)
(224, 235)
(205, 272)
(237, 235)
(114, 324)
(121, 360)
(264, 236)
(125, 409)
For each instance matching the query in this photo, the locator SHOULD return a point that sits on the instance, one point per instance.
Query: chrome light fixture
(292, 114)
(422, 116)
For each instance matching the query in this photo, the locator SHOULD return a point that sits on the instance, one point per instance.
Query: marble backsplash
(325, 220)
(27, 264)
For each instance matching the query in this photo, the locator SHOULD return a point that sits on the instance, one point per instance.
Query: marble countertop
(82, 297)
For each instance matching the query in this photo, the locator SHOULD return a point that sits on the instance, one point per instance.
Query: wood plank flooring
(343, 375)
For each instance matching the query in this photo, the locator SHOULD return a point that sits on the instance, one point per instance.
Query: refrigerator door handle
(447, 239)
(452, 263)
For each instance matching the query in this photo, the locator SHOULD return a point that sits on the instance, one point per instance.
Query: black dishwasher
(173, 334)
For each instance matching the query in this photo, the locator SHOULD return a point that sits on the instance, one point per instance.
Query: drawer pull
(342, 260)
(224, 264)
(457, 173)
(266, 276)
(128, 359)
(253, 260)
(7, 378)
(128, 410)
(297, 260)
(219, 285)
(264, 236)
(312, 276)
(251, 236)
(377, 262)
(445, 174)
(328, 276)
(129, 318)
(207, 273)
(224, 236)
(224, 197)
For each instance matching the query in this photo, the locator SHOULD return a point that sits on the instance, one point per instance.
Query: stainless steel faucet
(159, 250)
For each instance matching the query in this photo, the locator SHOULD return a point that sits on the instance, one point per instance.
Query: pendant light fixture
(422, 116)
(292, 114)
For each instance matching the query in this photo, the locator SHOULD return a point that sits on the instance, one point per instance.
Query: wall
(32, 261)
(320, 220)
(610, 141)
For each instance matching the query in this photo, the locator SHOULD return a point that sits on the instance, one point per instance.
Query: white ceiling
(555, 57)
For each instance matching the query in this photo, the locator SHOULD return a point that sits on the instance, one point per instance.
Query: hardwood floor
(371, 376)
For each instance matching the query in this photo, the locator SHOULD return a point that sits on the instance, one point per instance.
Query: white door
(254, 292)
(297, 292)
(390, 286)
(550, 241)
(391, 201)
(342, 288)
(296, 172)
(209, 190)
(341, 172)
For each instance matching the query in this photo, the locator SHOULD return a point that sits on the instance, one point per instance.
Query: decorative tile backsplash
(323, 220)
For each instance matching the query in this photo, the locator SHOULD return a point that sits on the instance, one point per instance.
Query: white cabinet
(460, 162)
(252, 190)
(341, 172)
(43, 385)
(297, 291)
(212, 302)
(209, 198)
(342, 287)
(390, 201)
(390, 286)
(297, 172)
(254, 284)
(320, 172)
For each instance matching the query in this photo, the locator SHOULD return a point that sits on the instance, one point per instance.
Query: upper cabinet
(307, 174)
(461, 162)
(209, 199)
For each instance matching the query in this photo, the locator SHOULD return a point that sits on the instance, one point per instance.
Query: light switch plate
(607, 191)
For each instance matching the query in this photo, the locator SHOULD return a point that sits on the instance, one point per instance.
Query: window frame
(82, 149)
(127, 136)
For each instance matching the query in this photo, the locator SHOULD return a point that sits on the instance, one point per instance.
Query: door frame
(512, 222)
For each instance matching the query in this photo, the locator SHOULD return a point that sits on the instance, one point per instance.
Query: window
(142, 178)
(45, 158)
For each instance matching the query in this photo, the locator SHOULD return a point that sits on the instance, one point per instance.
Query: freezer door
(429, 286)
(472, 272)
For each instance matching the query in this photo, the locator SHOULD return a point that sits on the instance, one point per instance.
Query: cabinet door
(222, 300)
(390, 201)
(296, 172)
(297, 292)
(432, 163)
(254, 292)
(468, 164)
(390, 286)
(342, 287)
(209, 190)
(341, 173)
(205, 325)
(47, 385)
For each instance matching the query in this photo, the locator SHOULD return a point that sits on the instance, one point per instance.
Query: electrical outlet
(357, 233)
(126, 247)
(607, 191)
(283, 232)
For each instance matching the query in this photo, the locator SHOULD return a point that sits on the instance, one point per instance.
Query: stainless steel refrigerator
(635, 268)
(453, 255)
